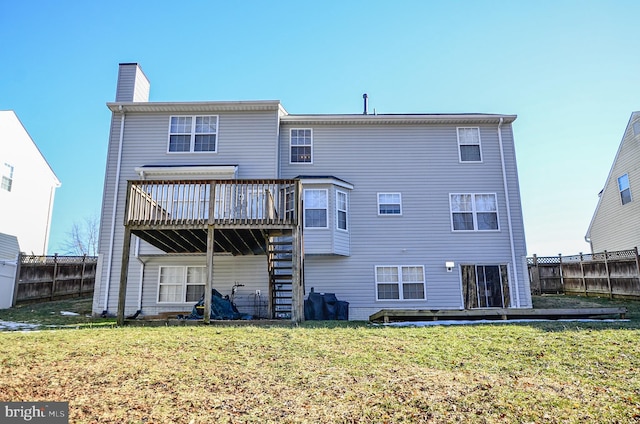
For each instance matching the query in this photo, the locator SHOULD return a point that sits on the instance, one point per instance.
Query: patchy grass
(49, 313)
(344, 372)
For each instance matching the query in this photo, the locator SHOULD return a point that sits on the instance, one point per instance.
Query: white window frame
(399, 203)
(344, 210)
(192, 133)
(621, 189)
(400, 282)
(6, 182)
(306, 207)
(184, 283)
(466, 142)
(309, 145)
(474, 211)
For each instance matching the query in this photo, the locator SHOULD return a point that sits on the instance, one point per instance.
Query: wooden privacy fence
(612, 274)
(54, 277)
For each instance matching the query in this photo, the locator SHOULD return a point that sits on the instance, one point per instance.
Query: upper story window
(636, 128)
(473, 212)
(301, 145)
(7, 177)
(193, 133)
(315, 208)
(400, 282)
(341, 210)
(389, 204)
(469, 144)
(625, 191)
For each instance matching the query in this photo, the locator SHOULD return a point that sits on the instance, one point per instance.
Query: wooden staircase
(280, 257)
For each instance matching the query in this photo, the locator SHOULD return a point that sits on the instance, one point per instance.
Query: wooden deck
(240, 217)
(391, 315)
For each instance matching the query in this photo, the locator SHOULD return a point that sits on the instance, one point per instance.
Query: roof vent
(366, 104)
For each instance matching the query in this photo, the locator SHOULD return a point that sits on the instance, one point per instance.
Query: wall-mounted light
(449, 265)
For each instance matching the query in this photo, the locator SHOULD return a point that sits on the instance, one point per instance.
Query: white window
(469, 144)
(301, 145)
(181, 284)
(341, 210)
(315, 208)
(400, 282)
(473, 212)
(389, 204)
(7, 177)
(625, 191)
(193, 133)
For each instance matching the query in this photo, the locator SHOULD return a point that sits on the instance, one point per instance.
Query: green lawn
(344, 372)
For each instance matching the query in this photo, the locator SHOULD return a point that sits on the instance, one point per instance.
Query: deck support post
(297, 288)
(209, 283)
(124, 270)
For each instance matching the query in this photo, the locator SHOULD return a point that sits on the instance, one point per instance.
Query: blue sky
(570, 70)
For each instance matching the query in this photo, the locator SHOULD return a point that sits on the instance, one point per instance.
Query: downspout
(508, 204)
(113, 215)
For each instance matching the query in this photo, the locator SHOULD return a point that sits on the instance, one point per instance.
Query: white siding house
(416, 211)
(27, 187)
(616, 221)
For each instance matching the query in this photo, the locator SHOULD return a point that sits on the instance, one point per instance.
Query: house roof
(386, 119)
(318, 119)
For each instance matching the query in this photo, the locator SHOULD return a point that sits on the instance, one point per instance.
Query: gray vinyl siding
(9, 248)
(133, 85)
(616, 226)
(251, 271)
(421, 162)
(246, 139)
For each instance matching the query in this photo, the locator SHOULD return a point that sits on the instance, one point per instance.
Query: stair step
(281, 243)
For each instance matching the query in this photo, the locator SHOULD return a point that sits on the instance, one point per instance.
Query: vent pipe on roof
(366, 104)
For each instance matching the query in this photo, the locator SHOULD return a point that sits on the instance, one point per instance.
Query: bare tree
(82, 239)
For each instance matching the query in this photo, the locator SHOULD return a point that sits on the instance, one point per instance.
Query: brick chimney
(133, 85)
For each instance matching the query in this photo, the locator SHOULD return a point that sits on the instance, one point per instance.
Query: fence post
(584, 280)
(55, 272)
(17, 279)
(635, 250)
(84, 262)
(561, 273)
(606, 267)
(535, 276)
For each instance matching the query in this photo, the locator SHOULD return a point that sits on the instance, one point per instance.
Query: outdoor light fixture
(449, 265)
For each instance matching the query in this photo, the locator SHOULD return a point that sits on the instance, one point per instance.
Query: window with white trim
(473, 212)
(469, 144)
(625, 190)
(400, 282)
(389, 204)
(316, 208)
(301, 142)
(193, 133)
(7, 177)
(181, 284)
(341, 210)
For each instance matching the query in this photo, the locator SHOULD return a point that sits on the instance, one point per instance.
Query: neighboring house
(615, 224)
(412, 211)
(9, 252)
(27, 187)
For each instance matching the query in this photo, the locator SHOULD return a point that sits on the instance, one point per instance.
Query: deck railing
(213, 202)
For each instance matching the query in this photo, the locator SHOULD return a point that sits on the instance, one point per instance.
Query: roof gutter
(508, 205)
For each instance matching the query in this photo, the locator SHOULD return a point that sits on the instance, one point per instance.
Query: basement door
(485, 286)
